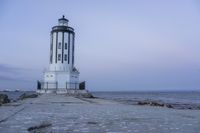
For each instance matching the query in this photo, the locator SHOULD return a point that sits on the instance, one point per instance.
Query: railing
(59, 27)
(55, 85)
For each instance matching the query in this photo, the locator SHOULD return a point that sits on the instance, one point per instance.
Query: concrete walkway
(64, 114)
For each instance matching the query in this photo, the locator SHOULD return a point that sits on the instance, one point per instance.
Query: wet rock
(4, 99)
(187, 106)
(82, 95)
(88, 95)
(182, 106)
(25, 95)
(43, 127)
(92, 122)
(154, 103)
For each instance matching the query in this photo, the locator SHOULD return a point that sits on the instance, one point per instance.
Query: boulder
(82, 95)
(25, 95)
(88, 95)
(44, 127)
(4, 99)
(154, 103)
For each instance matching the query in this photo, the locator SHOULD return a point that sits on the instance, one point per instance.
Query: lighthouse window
(65, 57)
(59, 56)
(59, 45)
(65, 45)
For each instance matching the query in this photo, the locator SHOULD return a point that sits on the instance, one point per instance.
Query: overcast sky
(120, 44)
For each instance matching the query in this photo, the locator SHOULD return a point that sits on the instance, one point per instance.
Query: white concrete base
(67, 91)
(61, 79)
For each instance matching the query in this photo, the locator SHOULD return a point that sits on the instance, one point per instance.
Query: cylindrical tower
(62, 46)
(61, 74)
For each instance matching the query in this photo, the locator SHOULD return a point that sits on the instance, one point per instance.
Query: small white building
(61, 75)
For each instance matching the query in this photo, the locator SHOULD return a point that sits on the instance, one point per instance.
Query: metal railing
(55, 85)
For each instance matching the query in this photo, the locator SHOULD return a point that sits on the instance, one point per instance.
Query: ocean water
(179, 96)
(180, 99)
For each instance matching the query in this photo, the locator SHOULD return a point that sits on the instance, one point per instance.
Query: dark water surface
(181, 96)
(179, 99)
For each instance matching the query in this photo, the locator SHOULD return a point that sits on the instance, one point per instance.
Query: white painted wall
(59, 72)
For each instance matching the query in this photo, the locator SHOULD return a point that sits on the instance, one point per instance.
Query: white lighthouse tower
(61, 75)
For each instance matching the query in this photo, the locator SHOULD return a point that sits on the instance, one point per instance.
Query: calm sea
(185, 97)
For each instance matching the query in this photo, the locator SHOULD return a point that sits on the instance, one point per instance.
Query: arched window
(65, 45)
(65, 57)
(59, 45)
(59, 56)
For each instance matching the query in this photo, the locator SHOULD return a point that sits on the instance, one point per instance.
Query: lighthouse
(61, 76)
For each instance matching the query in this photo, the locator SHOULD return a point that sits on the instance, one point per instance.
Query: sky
(120, 45)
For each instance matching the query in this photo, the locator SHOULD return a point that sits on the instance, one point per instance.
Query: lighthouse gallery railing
(54, 85)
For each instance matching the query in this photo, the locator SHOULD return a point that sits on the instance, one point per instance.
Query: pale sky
(120, 44)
